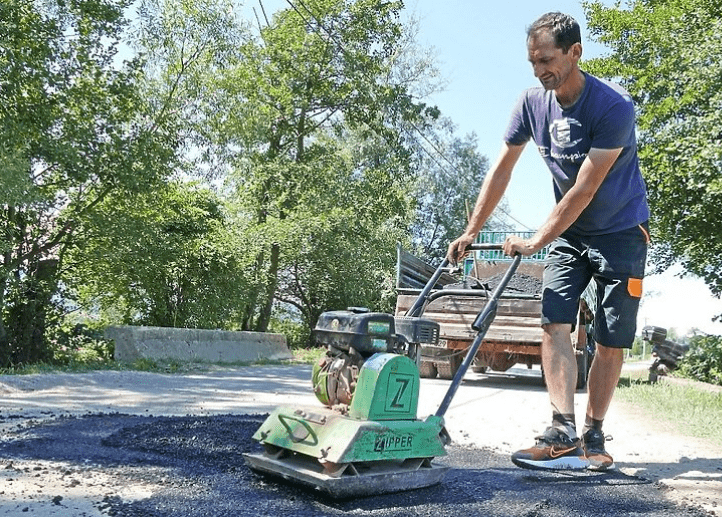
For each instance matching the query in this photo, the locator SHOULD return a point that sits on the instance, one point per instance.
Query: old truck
(514, 336)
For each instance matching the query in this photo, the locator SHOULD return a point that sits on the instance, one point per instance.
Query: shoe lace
(553, 435)
(594, 439)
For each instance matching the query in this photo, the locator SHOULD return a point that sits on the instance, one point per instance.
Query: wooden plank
(413, 273)
(497, 347)
(472, 305)
(516, 320)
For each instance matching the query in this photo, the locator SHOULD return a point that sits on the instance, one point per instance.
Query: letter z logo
(403, 386)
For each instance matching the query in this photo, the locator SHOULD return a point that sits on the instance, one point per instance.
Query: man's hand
(457, 249)
(514, 244)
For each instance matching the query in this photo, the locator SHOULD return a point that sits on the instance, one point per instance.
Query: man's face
(551, 65)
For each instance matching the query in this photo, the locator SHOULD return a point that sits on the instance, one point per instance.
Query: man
(584, 129)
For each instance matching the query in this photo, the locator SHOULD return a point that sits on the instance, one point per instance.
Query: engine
(354, 335)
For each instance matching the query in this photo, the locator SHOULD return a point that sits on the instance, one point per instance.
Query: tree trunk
(264, 319)
(29, 315)
(4, 338)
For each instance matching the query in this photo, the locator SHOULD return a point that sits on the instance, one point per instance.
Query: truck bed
(515, 334)
(517, 321)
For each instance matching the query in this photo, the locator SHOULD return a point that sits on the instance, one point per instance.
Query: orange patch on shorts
(634, 287)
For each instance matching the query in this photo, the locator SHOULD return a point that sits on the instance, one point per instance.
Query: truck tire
(448, 368)
(427, 370)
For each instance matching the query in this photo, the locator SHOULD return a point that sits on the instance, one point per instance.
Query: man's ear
(576, 51)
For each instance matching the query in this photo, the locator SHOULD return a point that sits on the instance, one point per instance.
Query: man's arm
(591, 174)
(491, 192)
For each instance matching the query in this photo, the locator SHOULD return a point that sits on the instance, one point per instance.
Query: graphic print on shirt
(566, 133)
(561, 132)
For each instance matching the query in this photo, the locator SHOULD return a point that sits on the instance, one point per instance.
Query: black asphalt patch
(196, 467)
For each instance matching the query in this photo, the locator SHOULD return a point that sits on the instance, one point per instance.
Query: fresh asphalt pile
(195, 467)
(520, 283)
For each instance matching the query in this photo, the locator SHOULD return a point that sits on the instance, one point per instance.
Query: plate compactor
(367, 439)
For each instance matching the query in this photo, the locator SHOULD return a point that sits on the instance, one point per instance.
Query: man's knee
(555, 331)
(608, 353)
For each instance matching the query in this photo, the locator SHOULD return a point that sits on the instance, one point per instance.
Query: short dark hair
(563, 28)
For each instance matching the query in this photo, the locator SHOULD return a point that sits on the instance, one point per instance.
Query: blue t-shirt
(602, 118)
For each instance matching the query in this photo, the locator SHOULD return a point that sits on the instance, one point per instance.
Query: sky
(480, 47)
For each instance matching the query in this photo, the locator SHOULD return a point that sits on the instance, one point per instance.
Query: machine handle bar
(416, 308)
(481, 326)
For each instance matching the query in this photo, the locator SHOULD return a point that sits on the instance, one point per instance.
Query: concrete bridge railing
(195, 345)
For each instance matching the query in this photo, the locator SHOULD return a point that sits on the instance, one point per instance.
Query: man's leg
(603, 378)
(560, 366)
(559, 447)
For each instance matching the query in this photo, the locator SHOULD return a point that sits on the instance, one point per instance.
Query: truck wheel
(447, 370)
(427, 370)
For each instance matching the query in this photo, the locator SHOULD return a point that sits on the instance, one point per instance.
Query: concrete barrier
(195, 345)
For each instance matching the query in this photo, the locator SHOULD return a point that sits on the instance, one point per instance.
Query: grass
(685, 409)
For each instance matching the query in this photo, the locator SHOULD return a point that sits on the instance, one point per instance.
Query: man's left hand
(514, 244)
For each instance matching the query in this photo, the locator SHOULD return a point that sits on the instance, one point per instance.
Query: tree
(319, 75)
(165, 258)
(73, 130)
(339, 249)
(451, 172)
(668, 54)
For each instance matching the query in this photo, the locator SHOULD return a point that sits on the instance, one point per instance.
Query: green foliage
(74, 129)
(668, 54)
(309, 132)
(311, 121)
(449, 179)
(164, 259)
(703, 361)
(638, 348)
(298, 335)
(80, 345)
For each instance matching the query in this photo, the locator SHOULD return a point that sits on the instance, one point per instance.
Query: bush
(703, 362)
(80, 345)
(297, 334)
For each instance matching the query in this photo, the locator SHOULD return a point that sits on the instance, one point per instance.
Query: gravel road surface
(143, 444)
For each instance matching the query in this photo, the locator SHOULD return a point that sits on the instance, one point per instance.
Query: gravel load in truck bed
(519, 284)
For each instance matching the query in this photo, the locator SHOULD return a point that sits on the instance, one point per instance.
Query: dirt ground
(499, 412)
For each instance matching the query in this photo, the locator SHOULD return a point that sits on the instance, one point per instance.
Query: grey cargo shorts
(616, 263)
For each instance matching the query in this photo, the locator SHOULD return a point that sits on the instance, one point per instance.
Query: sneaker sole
(563, 463)
(601, 468)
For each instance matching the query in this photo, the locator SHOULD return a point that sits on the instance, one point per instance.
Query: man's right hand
(458, 249)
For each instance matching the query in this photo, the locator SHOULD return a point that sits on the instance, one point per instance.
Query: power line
(443, 155)
(340, 46)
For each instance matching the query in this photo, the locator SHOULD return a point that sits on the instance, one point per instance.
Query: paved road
(134, 444)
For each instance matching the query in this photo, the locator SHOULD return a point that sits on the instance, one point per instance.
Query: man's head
(562, 27)
(554, 45)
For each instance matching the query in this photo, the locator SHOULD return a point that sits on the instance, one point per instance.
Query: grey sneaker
(593, 444)
(554, 450)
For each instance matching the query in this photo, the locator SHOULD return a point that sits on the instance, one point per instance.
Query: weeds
(688, 410)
